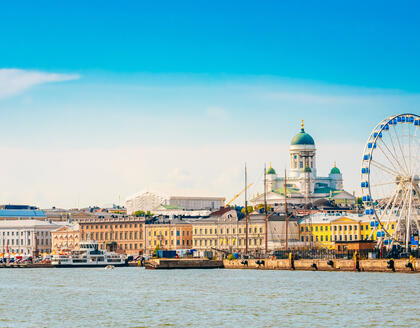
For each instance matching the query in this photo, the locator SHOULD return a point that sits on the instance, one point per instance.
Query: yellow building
(224, 232)
(168, 236)
(323, 230)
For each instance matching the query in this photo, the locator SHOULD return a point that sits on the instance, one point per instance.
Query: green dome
(335, 170)
(271, 170)
(302, 138)
(307, 169)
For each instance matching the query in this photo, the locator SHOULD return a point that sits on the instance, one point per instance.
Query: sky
(103, 99)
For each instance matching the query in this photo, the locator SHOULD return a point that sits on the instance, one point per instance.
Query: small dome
(307, 169)
(335, 170)
(302, 138)
(271, 170)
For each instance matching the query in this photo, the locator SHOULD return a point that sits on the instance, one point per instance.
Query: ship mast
(246, 214)
(265, 208)
(285, 209)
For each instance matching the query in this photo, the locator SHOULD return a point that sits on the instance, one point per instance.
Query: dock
(371, 265)
(155, 264)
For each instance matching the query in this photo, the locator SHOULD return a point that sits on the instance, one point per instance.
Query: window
(351, 237)
(340, 228)
(316, 228)
(301, 229)
(195, 231)
(188, 242)
(316, 238)
(322, 238)
(345, 227)
(201, 231)
(255, 230)
(178, 233)
(227, 230)
(355, 237)
(302, 238)
(335, 228)
(361, 227)
(177, 242)
(355, 228)
(335, 237)
(321, 228)
(326, 238)
(350, 228)
(306, 228)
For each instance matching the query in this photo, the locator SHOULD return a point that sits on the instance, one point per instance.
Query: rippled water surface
(134, 297)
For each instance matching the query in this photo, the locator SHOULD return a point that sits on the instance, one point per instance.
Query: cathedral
(303, 186)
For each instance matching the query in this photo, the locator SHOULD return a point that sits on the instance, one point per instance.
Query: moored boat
(89, 255)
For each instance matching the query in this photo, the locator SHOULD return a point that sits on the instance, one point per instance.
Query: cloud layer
(14, 81)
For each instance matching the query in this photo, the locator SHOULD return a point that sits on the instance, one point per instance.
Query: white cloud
(14, 81)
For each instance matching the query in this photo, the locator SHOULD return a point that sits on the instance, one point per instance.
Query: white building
(157, 204)
(26, 237)
(303, 184)
(197, 203)
(146, 201)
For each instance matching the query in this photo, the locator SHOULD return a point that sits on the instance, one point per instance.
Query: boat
(89, 255)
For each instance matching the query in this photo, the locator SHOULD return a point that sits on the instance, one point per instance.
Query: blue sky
(218, 82)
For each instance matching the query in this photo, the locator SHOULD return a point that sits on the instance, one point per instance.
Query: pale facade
(197, 203)
(224, 232)
(146, 201)
(26, 237)
(65, 238)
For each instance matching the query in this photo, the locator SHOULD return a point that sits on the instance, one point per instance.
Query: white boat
(89, 255)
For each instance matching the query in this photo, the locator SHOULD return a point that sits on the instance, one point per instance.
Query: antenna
(265, 208)
(285, 207)
(246, 214)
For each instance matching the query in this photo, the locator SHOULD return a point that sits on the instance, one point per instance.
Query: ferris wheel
(390, 179)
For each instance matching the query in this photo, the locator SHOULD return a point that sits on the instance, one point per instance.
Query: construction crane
(237, 195)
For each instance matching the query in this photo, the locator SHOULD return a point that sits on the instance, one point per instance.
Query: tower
(302, 154)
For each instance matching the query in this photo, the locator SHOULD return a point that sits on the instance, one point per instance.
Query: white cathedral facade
(303, 186)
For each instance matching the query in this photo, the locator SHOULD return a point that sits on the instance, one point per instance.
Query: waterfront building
(65, 238)
(21, 212)
(120, 233)
(323, 230)
(26, 237)
(168, 235)
(303, 184)
(224, 231)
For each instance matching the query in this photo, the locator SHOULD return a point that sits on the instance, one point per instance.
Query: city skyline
(177, 100)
